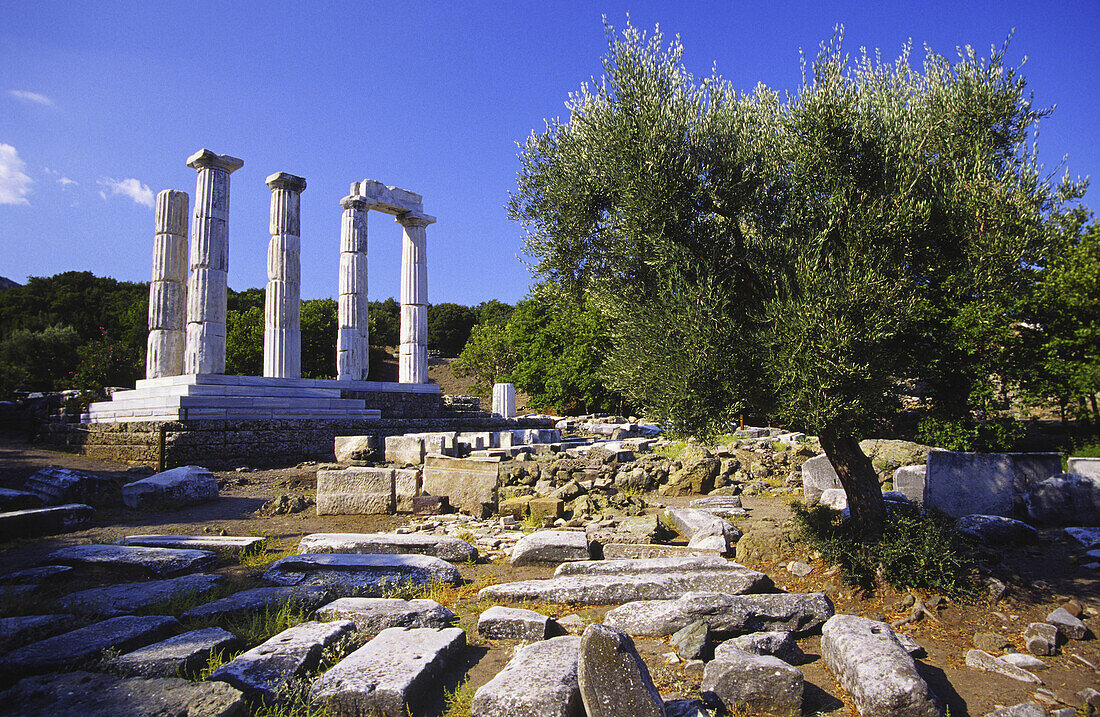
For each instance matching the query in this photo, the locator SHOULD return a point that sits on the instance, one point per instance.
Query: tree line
(75, 330)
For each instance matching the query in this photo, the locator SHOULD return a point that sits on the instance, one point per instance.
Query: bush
(919, 549)
(965, 435)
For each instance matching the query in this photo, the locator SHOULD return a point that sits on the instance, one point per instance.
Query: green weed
(457, 702)
(919, 549)
(256, 626)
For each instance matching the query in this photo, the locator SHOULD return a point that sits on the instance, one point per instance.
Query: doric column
(209, 263)
(352, 334)
(283, 298)
(168, 288)
(504, 400)
(413, 358)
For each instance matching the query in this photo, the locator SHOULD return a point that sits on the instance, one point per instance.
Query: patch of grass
(442, 592)
(467, 536)
(531, 521)
(672, 451)
(919, 549)
(457, 702)
(259, 560)
(256, 626)
(216, 659)
(293, 700)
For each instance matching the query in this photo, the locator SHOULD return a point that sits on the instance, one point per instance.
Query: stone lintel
(356, 202)
(285, 180)
(414, 219)
(204, 158)
(391, 200)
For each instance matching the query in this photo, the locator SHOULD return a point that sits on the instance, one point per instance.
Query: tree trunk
(860, 482)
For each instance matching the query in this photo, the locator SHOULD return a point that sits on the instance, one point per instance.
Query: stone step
(16, 631)
(539, 681)
(363, 575)
(397, 673)
(686, 564)
(611, 589)
(128, 598)
(177, 656)
(54, 485)
(373, 615)
(197, 542)
(634, 551)
(71, 648)
(260, 672)
(446, 548)
(727, 615)
(34, 522)
(257, 600)
(87, 694)
(160, 562)
(18, 500)
(509, 623)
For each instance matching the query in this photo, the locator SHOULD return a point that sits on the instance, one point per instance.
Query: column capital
(285, 180)
(204, 159)
(356, 202)
(414, 219)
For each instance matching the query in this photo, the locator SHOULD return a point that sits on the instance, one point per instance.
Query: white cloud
(128, 187)
(65, 182)
(33, 97)
(14, 183)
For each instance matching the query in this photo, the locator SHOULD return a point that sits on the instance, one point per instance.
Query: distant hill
(6, 283)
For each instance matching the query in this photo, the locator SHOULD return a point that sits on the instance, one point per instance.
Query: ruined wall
(225, 444)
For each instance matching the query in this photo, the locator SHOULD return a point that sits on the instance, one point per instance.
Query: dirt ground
(1040, 579)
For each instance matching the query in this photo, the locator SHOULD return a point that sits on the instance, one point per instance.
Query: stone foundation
(225, 444)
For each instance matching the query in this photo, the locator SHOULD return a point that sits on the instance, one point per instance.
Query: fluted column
(283, 298)
(206, 288)
(352, 334)
(168, 287)
(413, 357)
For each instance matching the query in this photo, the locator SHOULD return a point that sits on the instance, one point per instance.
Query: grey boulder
(539, 681)
(550, 546)
(614, 681)
(762, 683)
(727, 615)
(1065, 499)
(181, 486)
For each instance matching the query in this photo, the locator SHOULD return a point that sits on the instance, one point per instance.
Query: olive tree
(794, 258)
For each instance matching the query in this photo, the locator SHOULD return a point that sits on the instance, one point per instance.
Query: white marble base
(218, 396)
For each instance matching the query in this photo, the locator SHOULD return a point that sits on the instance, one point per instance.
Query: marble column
(352, 334)
(413, 357)
(168, 287)
(504, 400)
(206, 289)
(283, 298)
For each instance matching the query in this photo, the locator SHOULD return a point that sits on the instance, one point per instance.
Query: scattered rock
(614, 680)
(160, 562)
(1024, 661)
(185, 485)
(363, 575)
(440, 546)
(1067, 624)
(396, 673)
(86, 694)
(71, 648)
(996, 530)
(128, 598)
(373, 615)
(1024, 709)
(981, 660)
(539, 681)
(991, 641)
(285, 504)
(261, 671)
(509, 623)
(761, 683)
(550, 546)
(692, 642)
(1088, 537)
(727, 615)
(1041, 638)
(176, 656)
(778, 644)
(869, 662)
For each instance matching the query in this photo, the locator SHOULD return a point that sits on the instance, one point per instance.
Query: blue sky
(101, 103)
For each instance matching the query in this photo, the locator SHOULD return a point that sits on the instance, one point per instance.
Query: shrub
(965, 435)
(919, 549)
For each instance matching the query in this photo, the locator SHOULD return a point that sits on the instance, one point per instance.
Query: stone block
(980, 660)
(611, 589)
(728, 615)
(471, 485)
(128, 598)
(176, 656)
(1065, 499)
(1029, 469)
(55, 485)
(1067, 625)
(181, 486)
(373, 615)
(509, 623)
(628, 551)
(397, 673)
(996, 530)
(160, 562)
(614, 680)
(406, 486)
(430, 504)
(543, 507)
(87, 694)
(16, 631)
(199, 542)
(45, 521)
(356, 491)
(363, 575)
(550, 546)
(964, 483)
(539, 681)
(439, 546)
(349, 449)
(869, 662)
(1084, 466)
(763, 684)
(18, 500)
(258, 600)
(779, 644)
(260, 672)
(71, 648)
(818, 475)
(405, 450)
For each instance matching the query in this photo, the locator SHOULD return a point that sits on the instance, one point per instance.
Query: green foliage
(244, 341)
(319, 338)
(105, 361)
(493, 311)
(257, 626)
(384, 321)
(449, 327)
(37, 360)
(458, 701)
(919, 549)
(968, 435)
(488, 356)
